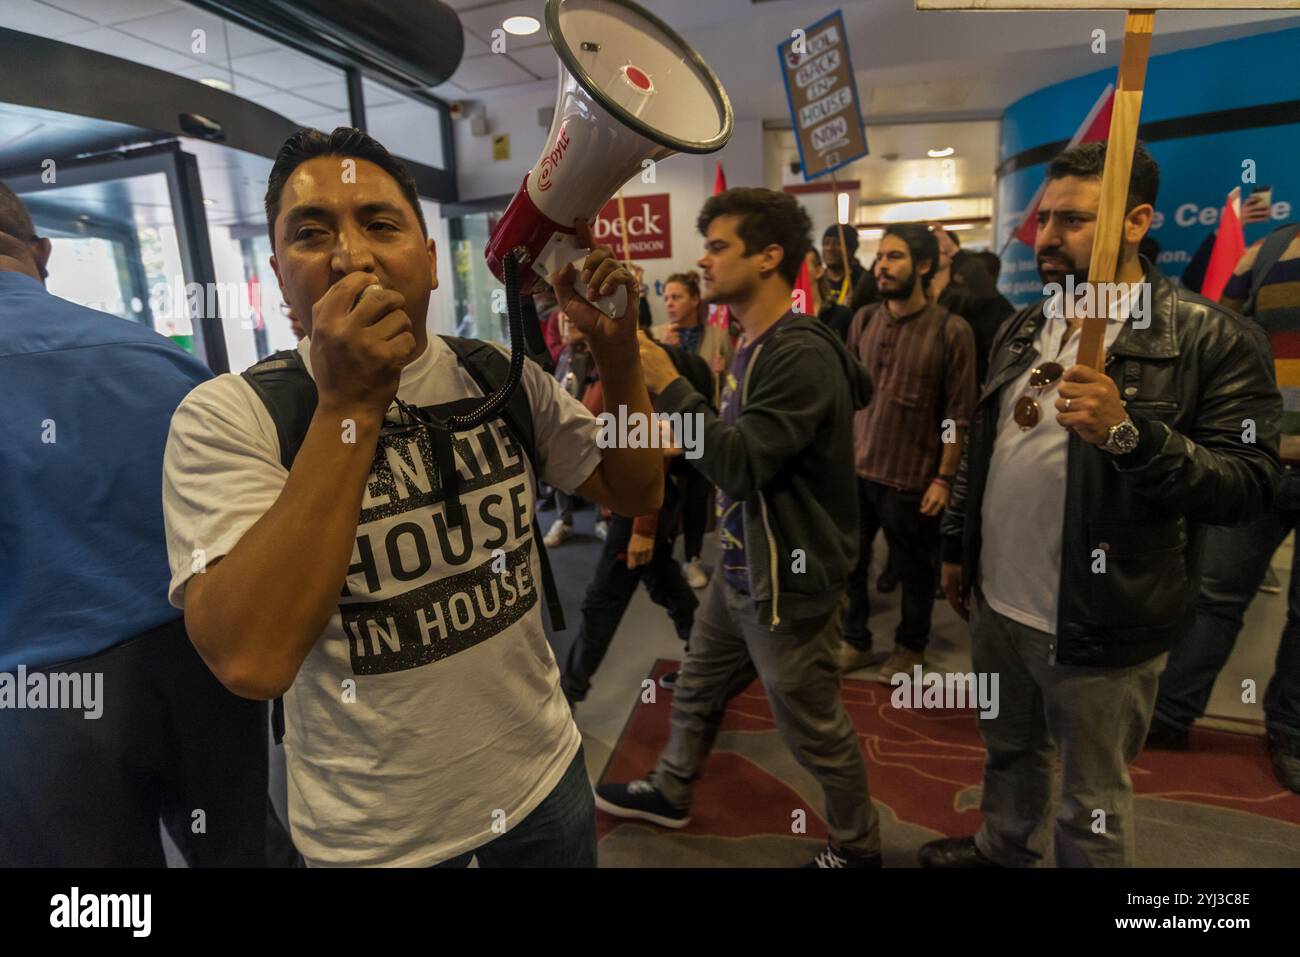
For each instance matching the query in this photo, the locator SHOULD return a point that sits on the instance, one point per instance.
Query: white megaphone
(630, 90)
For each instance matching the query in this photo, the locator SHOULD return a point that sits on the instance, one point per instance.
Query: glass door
(129, 238)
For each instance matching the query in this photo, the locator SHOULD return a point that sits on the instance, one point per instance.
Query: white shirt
(430, 708)
(1024, 497)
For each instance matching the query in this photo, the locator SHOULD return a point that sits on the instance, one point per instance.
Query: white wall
(439, 319)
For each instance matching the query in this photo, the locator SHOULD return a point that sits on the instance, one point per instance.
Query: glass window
(115, 249)
(192, 43)
(477, 291)
(407, 127)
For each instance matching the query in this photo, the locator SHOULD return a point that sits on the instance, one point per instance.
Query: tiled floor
(646, 634)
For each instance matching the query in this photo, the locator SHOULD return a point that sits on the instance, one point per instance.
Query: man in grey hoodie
(781, 455)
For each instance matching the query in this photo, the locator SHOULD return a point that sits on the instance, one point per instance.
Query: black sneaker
(640, 800)
(668, 681)
(1285, 752)
(830, 857)
(1164, 736)
(953, 852)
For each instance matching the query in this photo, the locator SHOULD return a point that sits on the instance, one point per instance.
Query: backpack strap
(1269, 255)
(488, 367)
(287, 390)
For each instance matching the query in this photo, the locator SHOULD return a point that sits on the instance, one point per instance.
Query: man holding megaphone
(376, 568)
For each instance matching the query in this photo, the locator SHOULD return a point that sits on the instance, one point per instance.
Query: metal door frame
(182, 172)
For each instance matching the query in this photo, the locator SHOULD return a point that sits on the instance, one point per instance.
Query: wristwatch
(1122, 438)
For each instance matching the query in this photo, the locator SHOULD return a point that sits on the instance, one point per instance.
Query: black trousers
(607, 599)
(913, 540)
(697, 499)
(171, 744)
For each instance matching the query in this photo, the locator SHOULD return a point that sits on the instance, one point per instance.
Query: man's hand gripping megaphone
(603, 275)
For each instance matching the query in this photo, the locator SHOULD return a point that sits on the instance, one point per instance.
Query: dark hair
(921, 243)
(14, 218)
(850, 236)
(308, 144)
(992, 262)
(969, 270)
(767, 218)
(691, 280)
(1087, 160)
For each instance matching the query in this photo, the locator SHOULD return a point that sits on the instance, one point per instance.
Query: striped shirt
(1277, 310)
(922, 368)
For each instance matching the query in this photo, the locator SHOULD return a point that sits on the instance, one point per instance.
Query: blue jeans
(1235, 562)
(560, 832)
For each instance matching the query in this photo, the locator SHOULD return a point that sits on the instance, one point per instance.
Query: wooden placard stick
(1109, 233)
(846, 289)
(622, 218)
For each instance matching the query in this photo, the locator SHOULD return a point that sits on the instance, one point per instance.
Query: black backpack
(288, 391)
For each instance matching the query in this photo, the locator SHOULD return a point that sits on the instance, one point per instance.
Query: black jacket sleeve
(1225, 470)
(779, 419)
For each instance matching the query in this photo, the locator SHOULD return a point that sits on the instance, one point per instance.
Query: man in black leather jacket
(1071, 539)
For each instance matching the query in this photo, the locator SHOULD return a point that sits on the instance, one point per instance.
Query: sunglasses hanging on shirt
(1028, 413)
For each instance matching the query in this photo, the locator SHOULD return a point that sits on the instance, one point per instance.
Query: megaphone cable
(495, 402)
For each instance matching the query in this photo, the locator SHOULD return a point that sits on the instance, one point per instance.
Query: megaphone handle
(564, 248)
(613, 305)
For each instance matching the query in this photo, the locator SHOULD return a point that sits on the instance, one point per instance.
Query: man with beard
(780, 454)
(1073, 543)
(908, 442)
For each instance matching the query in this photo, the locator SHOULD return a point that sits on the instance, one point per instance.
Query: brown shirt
(922, 368)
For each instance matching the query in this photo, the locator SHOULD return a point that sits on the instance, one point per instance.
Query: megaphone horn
(630, 89)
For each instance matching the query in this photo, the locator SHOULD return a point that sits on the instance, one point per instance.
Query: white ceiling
(943, 70)
(160, 34)
(908, 64)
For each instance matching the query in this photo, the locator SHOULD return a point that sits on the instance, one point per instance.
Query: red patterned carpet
(1215, 805)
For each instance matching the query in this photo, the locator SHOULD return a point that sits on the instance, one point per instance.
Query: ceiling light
(521, 26)
(871, 234)
(940, 154)
(919, 186)
(916, 212)
(843, 207)
(209, 202)
(215, 83)
(953, 227)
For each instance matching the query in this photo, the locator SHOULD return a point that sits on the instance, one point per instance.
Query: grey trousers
(1098, 718)
(730, 645)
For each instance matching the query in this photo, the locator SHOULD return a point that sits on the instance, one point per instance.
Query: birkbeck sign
(649, 229)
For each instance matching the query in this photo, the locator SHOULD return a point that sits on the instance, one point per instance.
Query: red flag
(1229, 245)
(803, 291)
(718, 314)
(1095, 127)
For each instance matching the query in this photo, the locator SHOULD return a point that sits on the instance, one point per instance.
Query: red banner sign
(649, 232)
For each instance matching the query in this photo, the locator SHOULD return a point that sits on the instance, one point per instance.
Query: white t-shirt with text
(430, 708)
